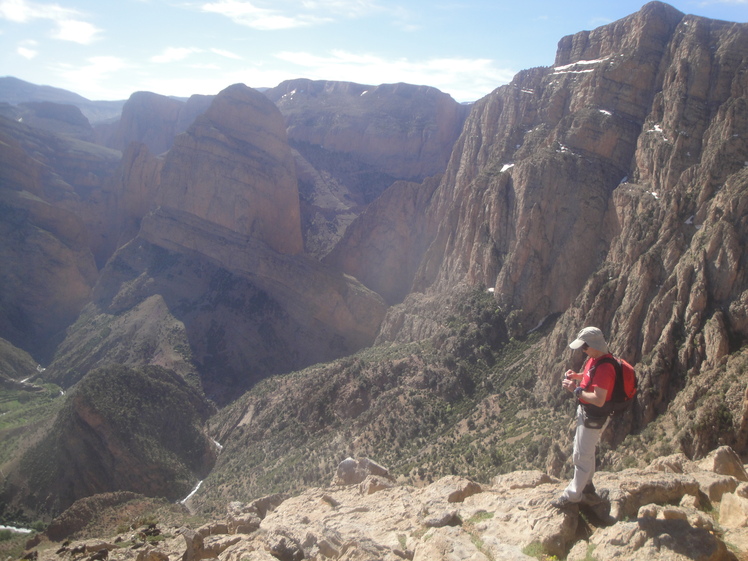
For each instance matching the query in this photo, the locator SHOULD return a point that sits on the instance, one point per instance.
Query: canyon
(330, 269)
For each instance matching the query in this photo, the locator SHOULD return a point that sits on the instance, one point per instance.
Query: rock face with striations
(609, 190)
(56, 194)
(352, 141)
(219, 260)
(154, 120)
(234, 169)
(383, 126)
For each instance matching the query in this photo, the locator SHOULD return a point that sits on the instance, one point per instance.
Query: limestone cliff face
(55, 195)
(234, 168)
(214, 283)
(611, 189)
(352, 141)
(383, 247)
(403, 130)
(154, 120)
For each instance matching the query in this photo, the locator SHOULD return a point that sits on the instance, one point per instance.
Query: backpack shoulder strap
(616, 365)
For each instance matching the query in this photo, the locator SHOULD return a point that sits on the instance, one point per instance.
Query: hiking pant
(585, 443)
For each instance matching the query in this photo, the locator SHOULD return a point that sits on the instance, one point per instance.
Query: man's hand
(569, 384)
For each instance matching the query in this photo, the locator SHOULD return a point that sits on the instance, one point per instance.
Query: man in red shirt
(593, 387)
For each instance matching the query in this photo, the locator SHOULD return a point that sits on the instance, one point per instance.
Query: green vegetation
(149, 417)
(537, 550)
(460, 403)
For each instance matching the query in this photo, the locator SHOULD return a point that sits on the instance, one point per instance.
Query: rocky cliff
(609, 188)
(55, 197)
(154, 120)
(216, 264)
(352, 141)
(666, 511)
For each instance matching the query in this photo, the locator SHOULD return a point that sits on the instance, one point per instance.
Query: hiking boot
(562, 503)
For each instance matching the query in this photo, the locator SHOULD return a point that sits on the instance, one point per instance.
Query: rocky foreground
(674, 509)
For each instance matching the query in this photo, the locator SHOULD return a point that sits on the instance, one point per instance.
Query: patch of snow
(655, 195)
(218, 444)
(363, 93)
(605, 112)
(579, 63)
(492, 289)
(539, 325)
(624, 180)
(573, 71)
(506, 167)
(528, 91)
(690, 219)
(188, 497)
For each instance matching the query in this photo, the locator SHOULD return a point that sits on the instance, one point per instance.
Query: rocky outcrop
(155, 120)
(234, 169)
(216, 264)
(120, 429)
(402, 130)
(667, 516)
(353, 141)
(383, 247)
(54, 193)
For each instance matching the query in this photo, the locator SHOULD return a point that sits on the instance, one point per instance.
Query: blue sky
(108, 49)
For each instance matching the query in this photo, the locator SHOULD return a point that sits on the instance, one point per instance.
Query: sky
(108, 49)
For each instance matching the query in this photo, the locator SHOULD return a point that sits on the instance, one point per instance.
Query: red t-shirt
(605, 377)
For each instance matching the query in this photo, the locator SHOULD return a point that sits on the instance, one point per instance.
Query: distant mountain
(608, 189)
(15, 91)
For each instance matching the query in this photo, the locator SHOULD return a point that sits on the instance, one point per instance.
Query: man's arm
(595, 397)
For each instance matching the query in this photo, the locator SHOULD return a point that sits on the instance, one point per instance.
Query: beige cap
(593, 337)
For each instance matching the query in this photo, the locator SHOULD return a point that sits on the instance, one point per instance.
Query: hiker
(590, 415)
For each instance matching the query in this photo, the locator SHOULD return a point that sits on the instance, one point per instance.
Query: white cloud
(70, 25)
(263, 19)
(94, 76)
(226, 54)
(76, 31)
(464, 79)
(173, 54)
(27, 49)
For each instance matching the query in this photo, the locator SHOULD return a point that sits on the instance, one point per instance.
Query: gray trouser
(585, 442)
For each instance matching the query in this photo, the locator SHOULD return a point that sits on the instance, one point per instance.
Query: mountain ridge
(608, 189)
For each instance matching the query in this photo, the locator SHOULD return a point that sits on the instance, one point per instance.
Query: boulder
(650, 538)
(724, 461)
(452, 489)
(629, 490)
(354, 472)
(733, 511)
